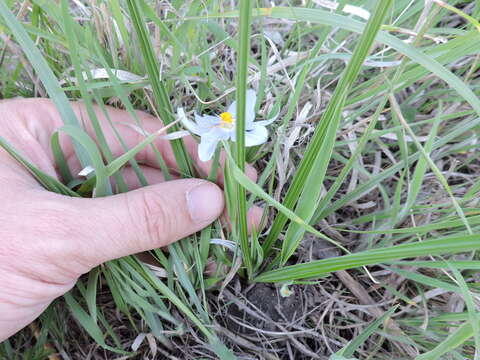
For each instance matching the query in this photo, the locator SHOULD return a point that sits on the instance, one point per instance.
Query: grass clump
(369, 179)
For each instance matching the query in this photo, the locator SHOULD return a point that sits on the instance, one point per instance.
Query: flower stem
(242, 63)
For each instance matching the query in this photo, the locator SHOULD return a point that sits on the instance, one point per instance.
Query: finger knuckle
(151, 213)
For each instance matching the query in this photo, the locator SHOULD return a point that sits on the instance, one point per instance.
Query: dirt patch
(267, 308)
(256, 319)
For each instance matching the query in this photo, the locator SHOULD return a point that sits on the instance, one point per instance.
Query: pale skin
(48, 240)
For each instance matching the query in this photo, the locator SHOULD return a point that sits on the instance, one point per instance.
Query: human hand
(48, 240)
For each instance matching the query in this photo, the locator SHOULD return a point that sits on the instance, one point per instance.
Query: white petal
(175, 135)
(102, 73)
(120, 74)
(250, 108)
(190, 125)
(355, 10)
(209, 142)
(231, 245)
(265, 122)
(222, 133)
(207, 120)
(207, 147)
(232, 109)
(86, 171)
(138, 341)
(268, 121)
(256, 136)
(206, 123)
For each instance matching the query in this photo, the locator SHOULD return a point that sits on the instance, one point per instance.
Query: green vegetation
(369, 179)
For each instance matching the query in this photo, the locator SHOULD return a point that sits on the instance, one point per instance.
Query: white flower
(213, 129)
(285, 291)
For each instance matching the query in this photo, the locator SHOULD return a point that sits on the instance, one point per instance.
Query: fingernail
(205, 202)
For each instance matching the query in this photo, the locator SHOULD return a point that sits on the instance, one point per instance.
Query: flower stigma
(227, 119)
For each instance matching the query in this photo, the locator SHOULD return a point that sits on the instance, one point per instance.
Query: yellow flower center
(227, 118)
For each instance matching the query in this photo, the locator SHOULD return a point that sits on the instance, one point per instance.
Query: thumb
(146, 218)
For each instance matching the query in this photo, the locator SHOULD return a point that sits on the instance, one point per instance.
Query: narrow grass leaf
(434, 283)
(91, 293)
(421, 168)
(318, 268)
(45, 74)
(304, 187)
(442, 264)
(248, 184)
(344, 22)
(432, 165)
(44, 179)
(353, 345)
(240, 214)
(473, 315)
(88, 324)
(164, 106)
(454, 340)
(60, 159)
(102, 182)
(116, 164)
(77, 60)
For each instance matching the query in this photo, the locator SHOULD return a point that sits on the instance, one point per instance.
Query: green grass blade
(60, 159)
(471, 307)
(240, 215)
(305, 187)
(316, 269)
(432, 165)
(420, 169)
(426, 280)
(44, 179)
(116, 164)
(164, 106)
(45, 74)
(102, 182)
(454, 340)
(442, 264)
(122, 95)
(179, 268)
(91, 292)
(344, 22)
(352, 346)
(172, 297)
(88, 324)
(464, 126)
(248, 184)
(77, 60)
(122, 27)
